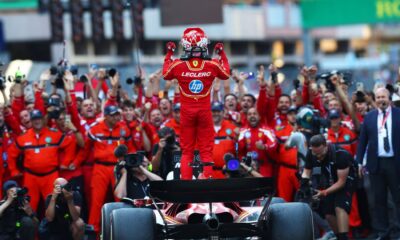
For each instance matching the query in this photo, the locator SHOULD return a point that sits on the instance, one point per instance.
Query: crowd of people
(63, 149)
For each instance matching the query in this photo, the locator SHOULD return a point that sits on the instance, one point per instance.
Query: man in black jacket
(17, 219)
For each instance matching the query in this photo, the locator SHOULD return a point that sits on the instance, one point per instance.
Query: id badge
(109, 142)
(383, 133)
(316, 171)
(216, 142)
(37, 150)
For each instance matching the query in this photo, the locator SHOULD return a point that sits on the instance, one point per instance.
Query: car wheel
(287, 221)
(106, 217)
(133, 224)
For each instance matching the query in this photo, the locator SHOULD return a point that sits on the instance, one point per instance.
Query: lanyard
(385, 119)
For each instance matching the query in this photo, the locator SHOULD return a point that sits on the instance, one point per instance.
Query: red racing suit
(195, 78)
(224, 142)
(247, 144)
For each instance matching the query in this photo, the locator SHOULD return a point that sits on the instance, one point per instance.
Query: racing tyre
(133, 224)
(287, 221)
(106, 217)
(276, 200)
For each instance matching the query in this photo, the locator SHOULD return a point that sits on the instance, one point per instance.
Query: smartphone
(250, 75)
(68, 118)
(94, 67)
(360, 86)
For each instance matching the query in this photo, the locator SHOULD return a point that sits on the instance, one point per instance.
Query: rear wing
(211, 190)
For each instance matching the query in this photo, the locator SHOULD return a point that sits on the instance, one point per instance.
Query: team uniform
(41, 160)
(195, 77)
(247, 144)
(224, 142)
(288, 182)
(102, 141)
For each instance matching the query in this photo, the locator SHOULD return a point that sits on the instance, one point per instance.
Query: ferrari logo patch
(195, 63)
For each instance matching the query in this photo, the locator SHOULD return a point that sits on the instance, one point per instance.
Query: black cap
(9, 184)
(217, 106)
(111, 110)
(333, 114)
(36, 114)
(177, 107)
(292, 109)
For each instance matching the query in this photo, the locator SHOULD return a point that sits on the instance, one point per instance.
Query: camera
(67, 187)
(307, 197)
(83, 79)
(2, 77)
(137, 81)
(59, 72)
(111, 72)
(311, 119)
(133, 160)
(360, 96)
(22, 196)
(169, 134)
(56, 102)
(18, 77)
(346, 76)
(231, 163)
(274, 77)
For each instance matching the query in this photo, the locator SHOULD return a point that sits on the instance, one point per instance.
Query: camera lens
(83, 78)
(129, 81)
(53, 70)
(112, 72)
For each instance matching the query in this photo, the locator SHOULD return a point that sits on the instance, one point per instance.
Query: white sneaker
(328, 236)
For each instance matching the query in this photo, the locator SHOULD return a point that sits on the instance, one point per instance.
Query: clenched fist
(219, 47)
(171, 46)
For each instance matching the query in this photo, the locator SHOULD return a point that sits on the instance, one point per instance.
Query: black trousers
(387, 178)
(25, 232)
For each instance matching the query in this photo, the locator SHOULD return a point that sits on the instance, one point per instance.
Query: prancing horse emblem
(195, 63)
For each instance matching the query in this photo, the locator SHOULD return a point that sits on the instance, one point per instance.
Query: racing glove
(219, 48)
(168, 57)
(171, 47)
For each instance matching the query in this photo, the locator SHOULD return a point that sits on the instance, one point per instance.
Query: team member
(195, 73)
(260, 141)
(175, 121)
(225, 138)
(104, 137)
(287, 159)
(40, 147)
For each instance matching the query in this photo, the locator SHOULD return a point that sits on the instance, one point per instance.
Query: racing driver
(195, 72)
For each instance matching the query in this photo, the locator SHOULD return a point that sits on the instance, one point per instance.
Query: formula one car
(208, 209)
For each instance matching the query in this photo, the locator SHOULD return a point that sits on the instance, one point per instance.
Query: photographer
(332, 174)
(163, 152)
(17, 219)
(63, 209)
(133, 177)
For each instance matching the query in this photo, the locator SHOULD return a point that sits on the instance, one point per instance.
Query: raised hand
(171, 46)
(260, 76)
(219, 47)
